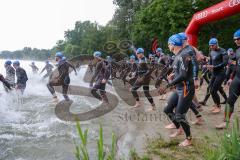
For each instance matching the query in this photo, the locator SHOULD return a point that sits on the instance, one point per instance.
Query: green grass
(230, 143)
(227, 147)
(81, 151)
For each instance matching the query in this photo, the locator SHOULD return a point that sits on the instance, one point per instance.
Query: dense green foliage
(140, 21)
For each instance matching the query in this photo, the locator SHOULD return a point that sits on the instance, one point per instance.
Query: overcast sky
(40, 23)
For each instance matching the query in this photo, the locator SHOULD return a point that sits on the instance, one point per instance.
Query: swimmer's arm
(43, 69)
(5, 83)
(224, 63)
(195, 66)
(95, 73)
(70, 65)
(183, 68)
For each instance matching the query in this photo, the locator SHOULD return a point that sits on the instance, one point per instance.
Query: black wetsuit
(143, 79)
(205, 73)
(190, 50)
(163, 59)
(181, 99)
(48, 67)
(22, 79)
(230, 67)
(131, 75)
(234, 89)
(34, 68)
(102, 71)
(5, 83)
(219, 60)
(10, 76)
(166, 61)
(63, 78)
(195, 69)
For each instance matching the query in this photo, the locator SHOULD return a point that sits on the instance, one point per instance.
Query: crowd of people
(220, 68)
(180, 72)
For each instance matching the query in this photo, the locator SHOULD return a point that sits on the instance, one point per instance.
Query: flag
(154, 45)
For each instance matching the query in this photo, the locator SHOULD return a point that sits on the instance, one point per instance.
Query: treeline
(27, 53)
(140, 21)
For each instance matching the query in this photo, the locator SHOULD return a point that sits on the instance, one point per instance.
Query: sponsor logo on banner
(233, 3)
(201, 15)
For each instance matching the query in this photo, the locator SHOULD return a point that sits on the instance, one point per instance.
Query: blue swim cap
(236, 34)
(213, 41)
(140, 51)
(132, 57)
(159, 50)
(8, 62)
(175, 40)
(59, 54)
(183, 36)
(16, 63)
(230, 50)
(97, 54)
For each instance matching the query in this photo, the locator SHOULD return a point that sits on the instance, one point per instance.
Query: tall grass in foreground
(81, 152)
(229, 148)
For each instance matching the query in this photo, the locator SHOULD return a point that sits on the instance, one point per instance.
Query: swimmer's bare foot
(185, 143)
(199, 121)
(162, 97)
(138, 104)
(177, 133)
(213, 108)
(152, 108)
(221, 126)
(170, 126)
(216, 110)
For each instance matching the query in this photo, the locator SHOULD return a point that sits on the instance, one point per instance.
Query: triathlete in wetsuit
(159, 52)
(217, 63)
(192, 52)
(181, 98)
(234, 82)
(165, 60)
(100, 77)
(205, 71)
(231, 64)
(131, 75)
(10, 74)
(34, 68)
(22, 77)
(144, 77)
(63, 78)
(48, 67)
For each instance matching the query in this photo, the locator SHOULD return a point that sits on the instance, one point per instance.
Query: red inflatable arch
(219, 11)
